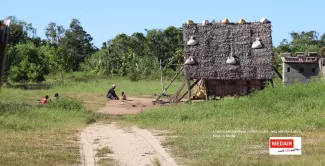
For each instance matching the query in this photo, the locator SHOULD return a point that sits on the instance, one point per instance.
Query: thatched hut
(4, 32)
(224, 56)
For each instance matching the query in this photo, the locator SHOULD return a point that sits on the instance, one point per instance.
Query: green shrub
(134, 75)
(26, 63)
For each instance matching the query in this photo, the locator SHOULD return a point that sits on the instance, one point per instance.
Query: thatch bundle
(218, 42)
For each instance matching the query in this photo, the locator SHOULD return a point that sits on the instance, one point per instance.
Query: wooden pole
(272, 83)
(277, 72)
(188, 91)
(178, 92)
(3, 45)
(171, 81)
(161, 78)
(206, 90)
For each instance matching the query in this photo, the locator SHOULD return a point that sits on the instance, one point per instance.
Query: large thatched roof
(216, 42)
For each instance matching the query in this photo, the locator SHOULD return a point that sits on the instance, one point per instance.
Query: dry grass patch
(156, 162)
(107, 162)
(102, 152)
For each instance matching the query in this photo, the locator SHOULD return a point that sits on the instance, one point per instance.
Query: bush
(26, 63)
(134, 75)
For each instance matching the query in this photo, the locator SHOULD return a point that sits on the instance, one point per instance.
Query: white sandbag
(189, 22)
(7, 22)
(231, 60)
(264, 20)
(205, 22)
(225, 21)
(190, 61)
(192, 41)
(241, 21)
(257, 44)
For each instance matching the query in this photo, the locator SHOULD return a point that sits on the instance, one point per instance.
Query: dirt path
(131, 106)
(108, 144)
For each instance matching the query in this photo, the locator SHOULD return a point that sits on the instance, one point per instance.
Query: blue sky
(104, 19)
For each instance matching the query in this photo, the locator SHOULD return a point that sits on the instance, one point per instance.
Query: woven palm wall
(216, 42)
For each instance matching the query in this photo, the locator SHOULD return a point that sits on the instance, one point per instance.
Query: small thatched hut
(227, 58)
(4, 32)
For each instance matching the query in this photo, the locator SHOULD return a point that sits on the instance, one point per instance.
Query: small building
(300, 68)
(231, 58)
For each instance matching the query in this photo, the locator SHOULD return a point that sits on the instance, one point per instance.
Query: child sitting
(123, 96)
(56, 96)
(44, 101)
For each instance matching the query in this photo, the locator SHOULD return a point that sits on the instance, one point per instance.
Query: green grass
(104, 158)
(34, 134)
(197, 126)
(91, 91)
(156, 162)
(41, 135)
(107, 162)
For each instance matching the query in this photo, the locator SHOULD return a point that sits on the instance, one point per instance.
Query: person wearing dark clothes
(56, 96)
(111, 93)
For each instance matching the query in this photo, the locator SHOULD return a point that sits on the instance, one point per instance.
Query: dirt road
(109, 144)
(127, 147)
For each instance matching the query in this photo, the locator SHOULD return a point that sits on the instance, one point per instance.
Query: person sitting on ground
(111, 93)
(123, 96)
(44, 101)
(56, 97)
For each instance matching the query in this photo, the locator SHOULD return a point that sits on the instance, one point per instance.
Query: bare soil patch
(109, 144)
(133, 105)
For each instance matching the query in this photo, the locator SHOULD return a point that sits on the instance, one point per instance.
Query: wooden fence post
(189, 89)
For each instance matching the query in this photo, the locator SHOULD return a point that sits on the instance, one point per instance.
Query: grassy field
(33, 134)
(202, 136)
(41, 135)
(91, 90)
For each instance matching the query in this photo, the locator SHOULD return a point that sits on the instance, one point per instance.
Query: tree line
(30, 58)
(70, 49)
(305, 41)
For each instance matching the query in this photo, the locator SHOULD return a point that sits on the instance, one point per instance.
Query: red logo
(281, 143)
